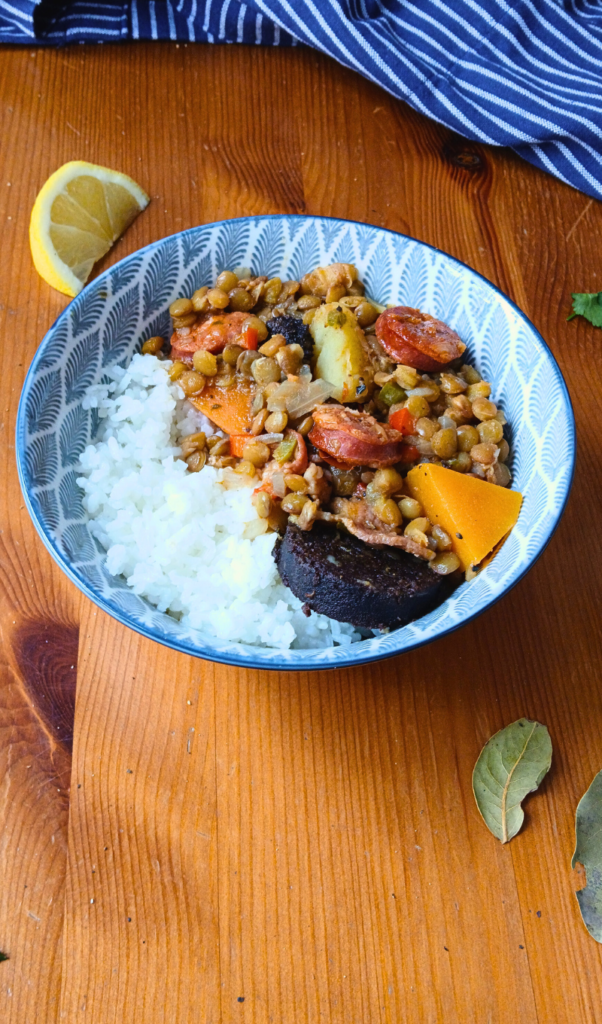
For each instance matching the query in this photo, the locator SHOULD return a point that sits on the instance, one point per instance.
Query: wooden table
(225, 845)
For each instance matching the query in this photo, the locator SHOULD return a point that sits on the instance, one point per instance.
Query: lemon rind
(45, 257)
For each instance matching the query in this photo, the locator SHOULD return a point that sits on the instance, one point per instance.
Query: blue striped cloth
(519, 73)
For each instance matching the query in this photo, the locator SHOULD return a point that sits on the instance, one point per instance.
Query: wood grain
(312, 850)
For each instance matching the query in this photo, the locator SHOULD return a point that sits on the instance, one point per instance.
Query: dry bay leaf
(511, 764)
(588, 851)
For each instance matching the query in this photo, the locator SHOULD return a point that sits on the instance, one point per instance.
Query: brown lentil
(387, 481)
(461, 404)
(231, 353)
(196, 461)
(277, 519)
(297, 483)
(406, 376)
(181, 307)
(193, 443)
(272, 290)
(191, 382)
(176, 370)
(442, 538)
(445, 443)
(308, 302)
(461, 462)
(276, 422)
(499, 474)
(471, 376)
(452, 384)
(256, 452)
(479, 390)
(425, 427)
(467, 437)
(289, 358)
(226, 281)
(305, 426)
(271, 347)
(388, 510)
(245, 467)
(184, 321)
(152, 346)
(356, 288)
(240, 300)
(504, 450)
(446, 563)
(218, 298)
(265, 370)
(220, 447)
(308, 316)
(245, 361)
(366, 313)
(335, 292)
(418, 406)
(490, 430)
(289, 288)
(410, 508)
(293, 503)
(483, 409)
(199, 300)
(258, 422)
(263, 504)
(205, 362)
(258, 325)
(484, 453)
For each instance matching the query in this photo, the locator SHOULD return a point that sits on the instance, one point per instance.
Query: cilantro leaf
(589, 305)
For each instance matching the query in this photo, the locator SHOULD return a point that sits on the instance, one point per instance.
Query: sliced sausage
(212, 335)
(417, 339)
(355, 438)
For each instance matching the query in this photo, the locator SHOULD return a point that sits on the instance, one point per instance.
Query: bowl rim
(292, 660)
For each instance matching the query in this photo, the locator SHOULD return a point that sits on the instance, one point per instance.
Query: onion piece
(278, 485)
(298, 398)
(268, 438)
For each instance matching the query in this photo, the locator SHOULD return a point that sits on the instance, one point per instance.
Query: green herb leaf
(588, 851)
(3, 956)
(589, 305)
(511, 764)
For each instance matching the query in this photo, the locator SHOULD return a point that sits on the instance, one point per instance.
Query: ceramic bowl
(106, 322)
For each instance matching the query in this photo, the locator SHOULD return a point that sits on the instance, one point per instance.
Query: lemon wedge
(79, 213)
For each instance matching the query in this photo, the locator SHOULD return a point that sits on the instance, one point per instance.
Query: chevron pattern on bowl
(106, 323)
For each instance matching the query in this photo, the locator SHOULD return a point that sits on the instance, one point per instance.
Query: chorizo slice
(355, 438)
(417, 339)
(212, 335)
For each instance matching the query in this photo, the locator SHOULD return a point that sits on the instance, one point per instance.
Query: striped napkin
(519, 73)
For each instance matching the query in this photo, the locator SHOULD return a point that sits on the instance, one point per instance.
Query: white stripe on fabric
(240, 27)
(190, 23)
(15, 11)
(483, 40)
(222, 20)
(153, 18)
(171, 20)
(276, 35)
(499, 27)
(134, 16)
(549, 26)
(258, 28)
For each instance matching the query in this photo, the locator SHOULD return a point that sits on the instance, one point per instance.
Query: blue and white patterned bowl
(129, 302)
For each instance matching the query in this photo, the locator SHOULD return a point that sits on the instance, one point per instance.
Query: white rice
(176, 536)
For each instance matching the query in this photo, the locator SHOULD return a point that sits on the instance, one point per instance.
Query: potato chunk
(340, 351)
